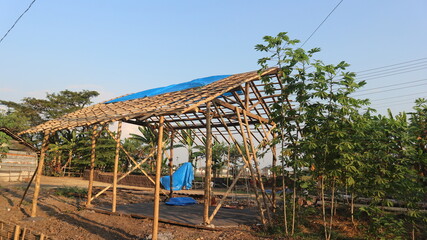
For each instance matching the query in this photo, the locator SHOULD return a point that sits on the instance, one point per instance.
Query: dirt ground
(62, 217)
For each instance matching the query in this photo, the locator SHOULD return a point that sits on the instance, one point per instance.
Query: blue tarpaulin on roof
(182, 177)
(200, 82)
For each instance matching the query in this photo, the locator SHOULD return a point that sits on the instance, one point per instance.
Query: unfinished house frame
(234, 108)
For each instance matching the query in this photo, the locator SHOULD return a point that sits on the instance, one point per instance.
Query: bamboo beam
(254, 180)
(207, 195)
(158, 172)
(39, 173)
(134, 162)
(92, 166)
(234, 181)
(125, 175)
(171, 165)
(257, 170)
(116, 166)
(237, 109)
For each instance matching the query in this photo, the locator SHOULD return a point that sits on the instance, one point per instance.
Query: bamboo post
(171, 165)
(208, 169)
(124, 175)
(133, 160)
(257, 170)
(39, 173)
(92, 165)
(28, 186)
(158, 172)
(24, 231)
(253, 176)
(116, 166)
(17, 232)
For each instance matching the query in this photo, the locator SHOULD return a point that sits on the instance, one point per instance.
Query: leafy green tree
(148, 140)
(219, 151)
(315, 116)
(37, 111)
(188, 141)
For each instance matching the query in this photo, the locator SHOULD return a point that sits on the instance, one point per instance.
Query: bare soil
(62, 217)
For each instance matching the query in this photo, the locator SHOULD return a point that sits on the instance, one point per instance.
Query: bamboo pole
(124, 175)
(116, 166)
(253, 176)
(208, 169)
(39, 173)
(171, 165)
(134, 162)
(257, 170)
(28, 187)
(17, 232)
(92, 165)
(158, 172)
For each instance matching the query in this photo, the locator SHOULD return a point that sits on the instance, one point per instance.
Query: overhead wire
(392, 85)
(324, 20)
(415, 60)
(388, 90)
(17, 20)
(400, 96)
(403, 68)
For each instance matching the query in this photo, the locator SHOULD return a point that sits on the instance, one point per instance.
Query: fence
(16, 232)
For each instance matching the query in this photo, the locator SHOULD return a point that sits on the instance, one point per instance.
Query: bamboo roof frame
(181, 109)
(231, 106)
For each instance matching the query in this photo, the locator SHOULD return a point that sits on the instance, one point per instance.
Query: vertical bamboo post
(24, 232)
(208, 169)
(39, 173)
(116, 166)
(92, 166)
(171, 165)
(17, 232)
(158, 172)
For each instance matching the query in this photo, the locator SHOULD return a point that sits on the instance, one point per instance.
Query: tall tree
(38, 111)
(314, 113)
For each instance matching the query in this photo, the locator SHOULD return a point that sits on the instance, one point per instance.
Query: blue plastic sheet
(182, 177)
(200, 82)
(181, 201)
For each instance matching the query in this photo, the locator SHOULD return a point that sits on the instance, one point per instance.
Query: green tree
(37, 111)
(315, 116)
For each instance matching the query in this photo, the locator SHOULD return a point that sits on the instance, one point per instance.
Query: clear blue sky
(120, 47)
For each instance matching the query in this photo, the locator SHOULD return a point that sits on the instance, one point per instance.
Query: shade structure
(215, 110)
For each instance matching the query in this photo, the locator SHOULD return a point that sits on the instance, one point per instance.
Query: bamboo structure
(116, 166)
(39, 174)
(171, 165)
(208, 169)
(158, 171)
(92, 166)
(233, 107)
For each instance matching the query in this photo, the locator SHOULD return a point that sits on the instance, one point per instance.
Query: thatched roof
(182, 109)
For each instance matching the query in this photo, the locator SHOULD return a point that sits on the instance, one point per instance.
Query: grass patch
(71, 192)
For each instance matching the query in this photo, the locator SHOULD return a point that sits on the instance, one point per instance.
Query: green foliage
(71, 192)
(37, 111)
(383, 225)
(321, 127)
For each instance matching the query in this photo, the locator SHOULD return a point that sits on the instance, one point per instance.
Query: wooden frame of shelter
(234, 105)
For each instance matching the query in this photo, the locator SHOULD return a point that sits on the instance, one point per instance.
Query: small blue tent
(183, 177)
